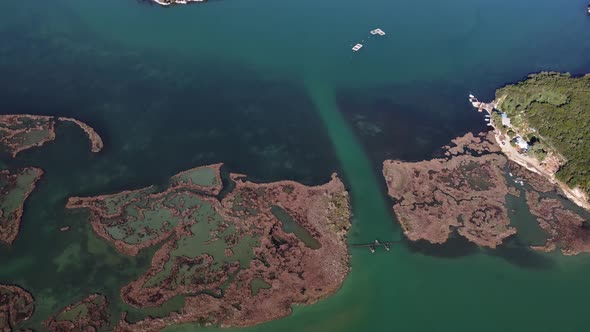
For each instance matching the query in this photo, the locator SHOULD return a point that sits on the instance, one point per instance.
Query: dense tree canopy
(554, 108)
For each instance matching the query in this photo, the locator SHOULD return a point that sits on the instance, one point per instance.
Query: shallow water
(292, 226)
(272, 90)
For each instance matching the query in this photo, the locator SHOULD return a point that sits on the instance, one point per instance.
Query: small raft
(357, 47)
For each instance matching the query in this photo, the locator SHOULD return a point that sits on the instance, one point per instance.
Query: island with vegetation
(566, 229)
(16, 306)
(237, 255)
(96, 143)
(15, 188)
(90, 314)
(466, 192)
(23, 131)
(550, 112)
(19, 132)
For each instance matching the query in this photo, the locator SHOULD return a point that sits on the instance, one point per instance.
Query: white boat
(471, 96)
(357, 47)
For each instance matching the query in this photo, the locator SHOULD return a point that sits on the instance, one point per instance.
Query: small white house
(505, 120)
(521, 143)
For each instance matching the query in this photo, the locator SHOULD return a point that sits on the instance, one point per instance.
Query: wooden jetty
(372, 246)
(481, 106)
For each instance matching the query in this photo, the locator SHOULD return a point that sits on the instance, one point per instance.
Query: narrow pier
(366, 245)
(372, 246)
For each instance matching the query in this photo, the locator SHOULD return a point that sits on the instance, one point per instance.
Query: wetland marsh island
(16, 306)
(19, 132)
(90, 314)
(466, 192)
(116, 214)
(230, 258)
(15, 188)
(23, 131)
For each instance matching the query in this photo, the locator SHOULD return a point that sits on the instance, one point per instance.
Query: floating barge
(175, 2)
(357, 47)
(377, 32)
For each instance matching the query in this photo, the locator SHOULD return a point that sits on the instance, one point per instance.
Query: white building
(505, 120)
(521, 143)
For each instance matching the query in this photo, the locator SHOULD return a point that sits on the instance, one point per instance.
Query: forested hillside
(553, 109)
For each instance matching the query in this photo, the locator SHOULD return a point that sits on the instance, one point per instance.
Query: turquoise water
(272, 89)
